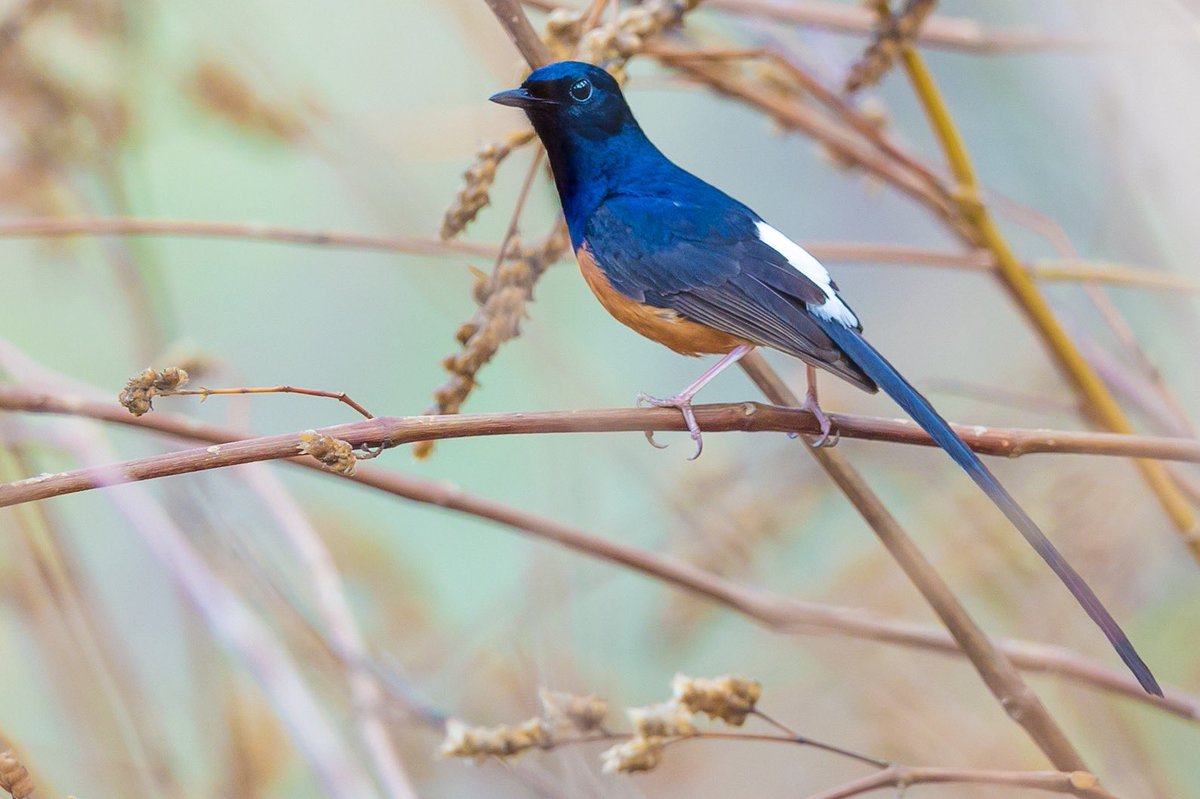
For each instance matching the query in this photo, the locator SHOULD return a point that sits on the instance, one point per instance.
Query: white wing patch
(811, 268)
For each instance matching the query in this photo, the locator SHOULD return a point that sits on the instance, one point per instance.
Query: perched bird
(690, 267)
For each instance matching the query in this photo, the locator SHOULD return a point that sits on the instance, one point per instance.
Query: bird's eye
(581, 90)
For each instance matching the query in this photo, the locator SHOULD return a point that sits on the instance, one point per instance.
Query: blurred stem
(512, 18)
(1103, 407)
(994, 667)
(951, 33)
(1076, 783)
(133, 226)
(138, 277)
(117, 711)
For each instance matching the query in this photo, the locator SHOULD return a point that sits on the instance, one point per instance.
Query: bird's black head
(591, 138)
(570, 98)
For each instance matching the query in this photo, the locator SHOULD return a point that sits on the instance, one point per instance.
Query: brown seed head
(636, 754)
(140, 391)
(730, 698)
(337, 455)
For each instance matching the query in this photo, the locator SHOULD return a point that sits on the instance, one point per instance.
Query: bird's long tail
(923, 413)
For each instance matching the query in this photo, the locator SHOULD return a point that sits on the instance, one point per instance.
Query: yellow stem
(1016, 278)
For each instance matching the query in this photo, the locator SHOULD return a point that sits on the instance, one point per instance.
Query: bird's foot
(683, 403)
(829, 437)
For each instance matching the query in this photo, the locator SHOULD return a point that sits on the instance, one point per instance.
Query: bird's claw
(684, 406)
(649, 434)
(829, 436)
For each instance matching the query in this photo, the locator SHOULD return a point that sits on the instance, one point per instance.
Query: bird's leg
(683, 400)
(811, 405)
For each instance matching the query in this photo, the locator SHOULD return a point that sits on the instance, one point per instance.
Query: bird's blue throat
(590, 164)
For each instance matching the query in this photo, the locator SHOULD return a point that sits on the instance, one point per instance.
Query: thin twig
(841, 140)
(953, 33)
(799, 740)
(775, 612)
(671, 53)
(1075, 783)
(205, 393)
(837, 750)
(45, 227)
(1076, 270)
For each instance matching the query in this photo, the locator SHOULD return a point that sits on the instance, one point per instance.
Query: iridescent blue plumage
(689, 266)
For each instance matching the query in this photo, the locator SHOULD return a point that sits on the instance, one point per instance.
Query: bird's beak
(519, 98)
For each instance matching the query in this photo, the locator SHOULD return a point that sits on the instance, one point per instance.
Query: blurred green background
(377, 108)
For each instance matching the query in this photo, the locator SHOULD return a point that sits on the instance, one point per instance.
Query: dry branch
(952, 33)
(1077, 783)
(775, 612)
(48, 227)
(391, 431)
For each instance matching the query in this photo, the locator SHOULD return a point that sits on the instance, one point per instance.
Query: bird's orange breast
(663, 325)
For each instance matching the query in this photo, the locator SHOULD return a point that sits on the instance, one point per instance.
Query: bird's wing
(718, 264)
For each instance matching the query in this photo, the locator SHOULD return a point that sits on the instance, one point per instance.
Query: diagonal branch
(1104, 408)
(994, 667)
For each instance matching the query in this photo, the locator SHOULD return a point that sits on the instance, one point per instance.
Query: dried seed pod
(730, 698)
(636, 754)
(503, 741)
(582, 713)
(337, 455)
(891, 34)
(139, 393)
(665, 720)
(475, 192)
(502, 299)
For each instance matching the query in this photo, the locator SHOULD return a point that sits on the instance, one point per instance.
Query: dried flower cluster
(139, 393)
(615, 41)
(14, 777)
(474, 194)
(729, 698)
(502, 297)
(583, 713)
(567, 718)
(892, 33)
(481, 743)
(636, 754)
(337, 455)
(664, 720)
(564, 718)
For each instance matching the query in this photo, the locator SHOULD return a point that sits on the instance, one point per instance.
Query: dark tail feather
(923, 413)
